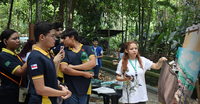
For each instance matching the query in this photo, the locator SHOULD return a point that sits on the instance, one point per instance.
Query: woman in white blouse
(133, 67)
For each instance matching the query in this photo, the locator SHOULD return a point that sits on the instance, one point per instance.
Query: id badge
(136, 83)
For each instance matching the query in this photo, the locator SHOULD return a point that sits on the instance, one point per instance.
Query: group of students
(45, 62)
(42, 68)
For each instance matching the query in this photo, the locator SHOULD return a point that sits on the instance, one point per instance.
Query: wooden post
(31, 31)
(108, 41)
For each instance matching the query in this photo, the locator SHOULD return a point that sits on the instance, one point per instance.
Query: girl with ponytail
(133, 68)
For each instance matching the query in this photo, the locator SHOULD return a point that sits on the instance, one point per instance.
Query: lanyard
(20, 59)
(13, 79)
(134, 67)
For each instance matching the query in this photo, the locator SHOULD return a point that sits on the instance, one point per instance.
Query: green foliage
(163, 26)
(168, 4)
(4, 1)
(19, 19)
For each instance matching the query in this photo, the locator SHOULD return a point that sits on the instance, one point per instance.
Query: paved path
(153, 98)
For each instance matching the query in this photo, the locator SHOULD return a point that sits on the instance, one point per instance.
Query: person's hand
(68, 93)
(60, 55)
(115, 62)
(88, 74)
(162, 59)
(128, 77)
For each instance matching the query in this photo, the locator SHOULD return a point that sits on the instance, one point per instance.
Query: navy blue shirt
(9, 63)
(57, 42)
(76, 84)
(55, 50)
(41, 65)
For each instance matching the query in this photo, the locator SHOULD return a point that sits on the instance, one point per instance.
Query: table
(107, 96)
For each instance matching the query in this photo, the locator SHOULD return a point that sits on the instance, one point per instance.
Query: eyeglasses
(54, 37)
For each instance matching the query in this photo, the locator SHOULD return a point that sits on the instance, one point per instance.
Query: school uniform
(41, 65)
(55, 50)
(98, 51)
(9, 89)
(78, 85)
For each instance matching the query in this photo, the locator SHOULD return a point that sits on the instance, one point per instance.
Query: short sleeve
(146, 63)
(101, 51)
(36, 67)
(65, 59)
(119, 68)
(89, 51)
(10, 64)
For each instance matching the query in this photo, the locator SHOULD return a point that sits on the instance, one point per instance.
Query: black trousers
(11, 98)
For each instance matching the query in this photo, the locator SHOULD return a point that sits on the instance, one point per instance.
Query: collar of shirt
(76, 51)
(9, 51)
(46, 53)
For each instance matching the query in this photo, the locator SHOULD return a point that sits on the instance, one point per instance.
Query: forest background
(157, 25)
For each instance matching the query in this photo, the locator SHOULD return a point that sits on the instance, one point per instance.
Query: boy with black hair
(59, 42)
(58, 31)
(99, 54)
(77, 79)
(43, 69)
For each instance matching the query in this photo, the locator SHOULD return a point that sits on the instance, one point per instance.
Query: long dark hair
(83, 40)
(27, 47)
(122, 46)
(5, 35)
(125, 57)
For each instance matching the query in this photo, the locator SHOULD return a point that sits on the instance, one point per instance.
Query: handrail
(152, 74)
(147, 72)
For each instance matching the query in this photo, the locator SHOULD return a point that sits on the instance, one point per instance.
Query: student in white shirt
(99, 54)
(133, 67)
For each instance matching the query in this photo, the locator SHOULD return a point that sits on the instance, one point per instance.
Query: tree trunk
(159, 27)
(126, 31)
(139, 24)
(30, 12)
(142, 32)
(122, 23)
(54, 10)
(149, 20)
(68, 8)
(38, 10)
(10, 14)
(73, 4)
(61, 12)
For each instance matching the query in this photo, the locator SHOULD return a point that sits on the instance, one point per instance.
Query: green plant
(127, 86)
